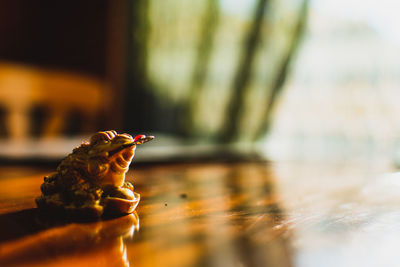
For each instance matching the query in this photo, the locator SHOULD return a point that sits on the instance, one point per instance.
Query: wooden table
(215, 214)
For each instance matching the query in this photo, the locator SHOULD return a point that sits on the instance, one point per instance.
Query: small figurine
(90, 181)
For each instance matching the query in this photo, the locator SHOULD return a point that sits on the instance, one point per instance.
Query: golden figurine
(90, 181)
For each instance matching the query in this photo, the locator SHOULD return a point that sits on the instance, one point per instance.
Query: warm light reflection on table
(215, 214)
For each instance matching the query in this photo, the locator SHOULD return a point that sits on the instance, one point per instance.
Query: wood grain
(190, 215)
(216, 214)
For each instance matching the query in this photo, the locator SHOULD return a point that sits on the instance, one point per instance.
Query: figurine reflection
(100, 243)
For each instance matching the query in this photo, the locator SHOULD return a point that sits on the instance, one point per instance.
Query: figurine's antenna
(140, 139)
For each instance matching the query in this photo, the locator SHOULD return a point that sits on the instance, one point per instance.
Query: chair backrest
(23, 88)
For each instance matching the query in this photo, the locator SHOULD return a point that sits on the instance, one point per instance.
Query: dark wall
(63, 34)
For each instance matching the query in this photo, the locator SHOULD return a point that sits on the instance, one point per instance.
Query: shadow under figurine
(90, 182)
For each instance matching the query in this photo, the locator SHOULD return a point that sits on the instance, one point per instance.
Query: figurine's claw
(119, 205)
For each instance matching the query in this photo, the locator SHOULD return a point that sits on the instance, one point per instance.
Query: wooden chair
(23, 88)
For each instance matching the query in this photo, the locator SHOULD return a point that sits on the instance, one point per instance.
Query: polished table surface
(216, 214)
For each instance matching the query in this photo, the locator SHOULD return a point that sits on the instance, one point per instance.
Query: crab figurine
(90, 181)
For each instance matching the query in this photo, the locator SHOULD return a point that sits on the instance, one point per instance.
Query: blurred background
(312, 85)
(339, 103)
(290, 79)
